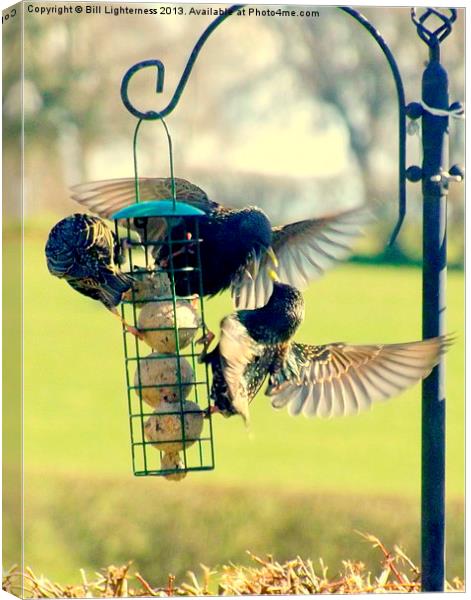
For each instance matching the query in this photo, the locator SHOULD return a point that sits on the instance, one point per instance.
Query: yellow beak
(272, 257)
(273, 275)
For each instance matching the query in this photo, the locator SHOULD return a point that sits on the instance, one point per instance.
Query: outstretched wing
(340, 379)
(237, 350)
(105, 198)
(304, 250)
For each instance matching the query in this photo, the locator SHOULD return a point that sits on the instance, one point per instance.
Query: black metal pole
(435, 189)
(435, 112)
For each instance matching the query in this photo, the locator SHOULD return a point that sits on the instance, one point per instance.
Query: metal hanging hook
(149, 115)
(401, 115)
(170, 155)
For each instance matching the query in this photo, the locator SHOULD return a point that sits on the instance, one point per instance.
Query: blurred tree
(337, 63)
(255, 74)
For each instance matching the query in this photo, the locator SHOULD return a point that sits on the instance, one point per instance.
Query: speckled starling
(249, 343)
(237, 244)
(329, 380)
(83, 250)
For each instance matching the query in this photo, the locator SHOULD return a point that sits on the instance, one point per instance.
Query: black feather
(229, 239)
(253, 379)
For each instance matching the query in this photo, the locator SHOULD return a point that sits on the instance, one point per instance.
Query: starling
(250, 341)
(83, 250)
(238, 245)
(329, 380)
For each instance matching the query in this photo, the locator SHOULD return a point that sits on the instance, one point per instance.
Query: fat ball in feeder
(172, 461)
(159, 329)
(148, 285)
(164, 428)
(157, 379)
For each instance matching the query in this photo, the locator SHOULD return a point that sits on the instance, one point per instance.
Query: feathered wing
(341, 379)
(105, 198)
(304, 250)
(237, 350)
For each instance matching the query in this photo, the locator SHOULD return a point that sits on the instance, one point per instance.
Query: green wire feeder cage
(167, 389)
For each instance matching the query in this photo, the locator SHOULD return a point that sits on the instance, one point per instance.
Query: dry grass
(267, 577)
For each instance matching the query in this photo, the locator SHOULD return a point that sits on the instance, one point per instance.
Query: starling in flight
(249, 343)
(329, 380)
(238, 244)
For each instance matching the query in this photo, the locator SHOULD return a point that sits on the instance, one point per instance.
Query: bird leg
(194, 301)
(211, 410)
(128, 327)
(281, 372)
(206, 341)
(124, 246)
(165, 261)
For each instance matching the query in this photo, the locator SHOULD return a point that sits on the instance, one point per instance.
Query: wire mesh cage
(163, 320)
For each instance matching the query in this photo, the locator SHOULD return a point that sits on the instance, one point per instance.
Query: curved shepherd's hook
(152, 115)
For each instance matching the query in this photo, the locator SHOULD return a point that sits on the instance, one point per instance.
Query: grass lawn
(76, 410)
(76, 429)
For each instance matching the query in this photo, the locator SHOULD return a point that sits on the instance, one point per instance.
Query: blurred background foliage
(297, 116)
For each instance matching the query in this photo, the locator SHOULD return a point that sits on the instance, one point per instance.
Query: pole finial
(439, 21)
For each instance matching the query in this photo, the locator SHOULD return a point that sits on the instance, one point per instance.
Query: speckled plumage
(341, 379)
(82, 250)
(277, 321)
(250, 342)
(252, 380)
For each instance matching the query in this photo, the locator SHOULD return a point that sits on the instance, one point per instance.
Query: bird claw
(194, 301)
(133, 331)
(211, 410)
(275, 387)
(165, 262)
(124, 246)
(206, 341)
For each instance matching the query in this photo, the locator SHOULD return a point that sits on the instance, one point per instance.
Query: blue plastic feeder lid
(158, 208)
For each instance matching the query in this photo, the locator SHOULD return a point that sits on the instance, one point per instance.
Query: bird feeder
(167, 388)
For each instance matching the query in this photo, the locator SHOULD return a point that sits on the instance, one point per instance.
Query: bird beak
(273, 276)
(272, 257)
